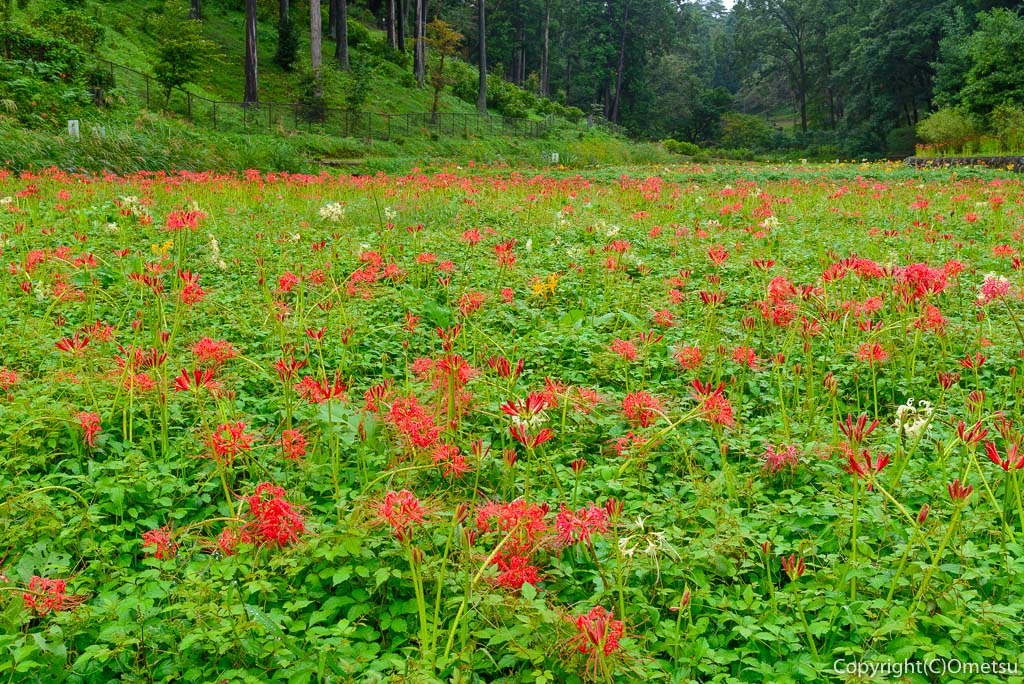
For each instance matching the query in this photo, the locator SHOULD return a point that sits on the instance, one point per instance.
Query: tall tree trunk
(544, 53)
(196, 11)
(614, 116)
(420, 47)
(390, 9)
(341, 33)
(282, 9)
(481, 97)
(252, 90)
(332, 18)
(316, 44)
(403, 19)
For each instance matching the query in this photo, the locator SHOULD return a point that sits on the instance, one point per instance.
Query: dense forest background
(829, 77)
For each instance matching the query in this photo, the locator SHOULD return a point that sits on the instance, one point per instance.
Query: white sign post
(73, 131)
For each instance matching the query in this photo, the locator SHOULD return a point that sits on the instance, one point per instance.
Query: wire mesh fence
(241, 117)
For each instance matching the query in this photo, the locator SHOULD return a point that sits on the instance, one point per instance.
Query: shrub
(1007, 124)
(946, 127)
(680, 147)
(746, 131)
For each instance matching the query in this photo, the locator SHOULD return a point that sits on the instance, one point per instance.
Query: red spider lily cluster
(46, 595)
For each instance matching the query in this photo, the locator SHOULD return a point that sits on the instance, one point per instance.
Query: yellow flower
(542, 287)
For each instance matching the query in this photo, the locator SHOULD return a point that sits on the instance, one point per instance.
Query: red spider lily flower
(73, 344)
(471, 302)
(528, 409)
(525, 521)
(515, 570)
(651, 337)
(177, 220)
(287, 282)
(448, 336)
(793, 566)
(578, 465)
(624, 348)
(712, 299)
(580, 525)
(411, 321)
(318, 391)
(229, 440)
(414, 422)
(293, 444)
(316, 334)
(193, 381)
(211, 351)
(975, 400)
(714, 406)
(972, 362)
(287, 368)
(100, 330)
(689, 357)
(162, 541)
(923, 514)
(585, 399)
(959, 492)
(777, 458)
(973, 435)
(830, 383)
(857, 432)
(90, 424)
(276, 520)
(718, 255)
(191, 292)
(598, 635)
(141, 358)
(471, 236)
(1012, 460)
(521, 435)
(504, 254)
(872, 353)
(504, 367)
(376, 397)
(507, 295)
(451, 460)
(663, 318)
(8, 378)
(746, 356)
(229, 539)
(45, 595)
(641, 408)
(868, 468)
(947, 380)
(993, 289)
(401, 510)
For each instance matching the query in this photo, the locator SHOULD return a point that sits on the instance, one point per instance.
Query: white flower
(911, 421)
(332, 211)
(6, 200)
(529, 244)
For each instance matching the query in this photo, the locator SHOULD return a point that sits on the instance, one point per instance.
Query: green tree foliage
(182, 54)
(287, 43)
(443, 42)
(995, 72)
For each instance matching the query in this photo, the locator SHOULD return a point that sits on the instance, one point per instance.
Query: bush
(746, 131)
(1007, 124)
(680, 147)
(946, 127)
